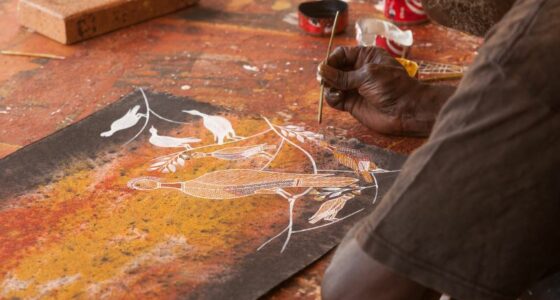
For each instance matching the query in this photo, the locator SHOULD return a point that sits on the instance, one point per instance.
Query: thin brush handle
(40, 55)
(322, 95)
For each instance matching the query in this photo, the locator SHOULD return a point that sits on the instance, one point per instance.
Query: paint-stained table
(245, 55)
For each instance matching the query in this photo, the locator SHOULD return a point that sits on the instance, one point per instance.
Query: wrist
(422, 105)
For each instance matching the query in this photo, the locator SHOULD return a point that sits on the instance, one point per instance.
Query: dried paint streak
(89, 236)
(281, 5)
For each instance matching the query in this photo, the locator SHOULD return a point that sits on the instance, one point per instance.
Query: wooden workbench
(200, 53)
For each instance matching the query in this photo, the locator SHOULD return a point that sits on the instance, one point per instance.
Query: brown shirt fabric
(475, 212)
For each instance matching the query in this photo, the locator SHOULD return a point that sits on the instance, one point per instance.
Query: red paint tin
(393, 48)
(317, 17)
(405, 12)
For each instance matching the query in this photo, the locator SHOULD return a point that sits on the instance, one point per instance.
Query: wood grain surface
(73, 21)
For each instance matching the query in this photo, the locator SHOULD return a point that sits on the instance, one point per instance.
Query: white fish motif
(238, 153)
(219, 126)
(130, 119)
(170, 142)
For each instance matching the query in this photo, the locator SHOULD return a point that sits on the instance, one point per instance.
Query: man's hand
(376, 89)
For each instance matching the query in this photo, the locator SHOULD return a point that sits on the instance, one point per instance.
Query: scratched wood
(198, 53)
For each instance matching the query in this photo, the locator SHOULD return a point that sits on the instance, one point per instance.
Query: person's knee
(345, 278)
(329, 288)
(353, 274)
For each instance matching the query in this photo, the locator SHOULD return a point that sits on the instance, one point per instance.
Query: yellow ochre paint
(112, 236)
(281, 5)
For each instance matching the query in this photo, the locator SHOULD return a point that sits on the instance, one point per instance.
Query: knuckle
(370, 70)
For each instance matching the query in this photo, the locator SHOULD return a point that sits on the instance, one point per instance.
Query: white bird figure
(128, 120)
(170, 142)
(219, 126)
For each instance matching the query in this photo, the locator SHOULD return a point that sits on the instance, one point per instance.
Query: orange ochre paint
(88, 236)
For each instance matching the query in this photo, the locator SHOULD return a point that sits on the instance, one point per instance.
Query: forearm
(420, 112)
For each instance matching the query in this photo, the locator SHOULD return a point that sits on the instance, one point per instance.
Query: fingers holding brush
(344, 57)
(342, 80)
(341, 100)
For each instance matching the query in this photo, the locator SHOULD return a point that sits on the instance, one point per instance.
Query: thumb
(341, 100)
(342, 80)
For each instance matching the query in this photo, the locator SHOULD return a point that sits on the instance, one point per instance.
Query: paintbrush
(321, 98)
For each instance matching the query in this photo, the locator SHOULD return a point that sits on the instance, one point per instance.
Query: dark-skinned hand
(376, 89)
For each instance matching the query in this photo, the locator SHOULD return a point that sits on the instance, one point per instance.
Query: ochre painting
(164, 197)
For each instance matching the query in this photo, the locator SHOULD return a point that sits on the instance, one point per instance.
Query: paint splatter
(251, 68)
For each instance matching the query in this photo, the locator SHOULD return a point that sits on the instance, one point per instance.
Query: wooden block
(70, 21)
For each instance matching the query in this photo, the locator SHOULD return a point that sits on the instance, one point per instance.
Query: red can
(393, 48)
(405, 12)
(317, 17)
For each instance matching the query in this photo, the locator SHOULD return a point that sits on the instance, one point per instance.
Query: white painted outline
(289, 229)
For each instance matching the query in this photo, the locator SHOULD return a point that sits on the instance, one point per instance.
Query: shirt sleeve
(474, 212)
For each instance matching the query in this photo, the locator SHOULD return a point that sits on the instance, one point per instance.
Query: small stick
(320, 112)
(40, 55)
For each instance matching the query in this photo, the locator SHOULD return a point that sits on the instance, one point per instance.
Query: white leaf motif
(158, 164)
(294, 128)
(308, 133)
(332, 189)
(335, 194)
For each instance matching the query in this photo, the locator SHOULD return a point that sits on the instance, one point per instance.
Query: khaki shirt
(475, 212)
